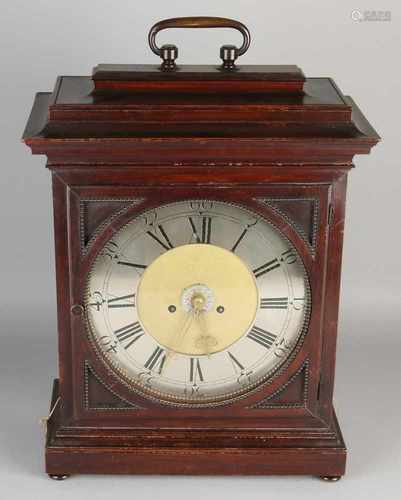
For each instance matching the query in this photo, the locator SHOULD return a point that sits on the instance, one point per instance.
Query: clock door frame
(256, 188)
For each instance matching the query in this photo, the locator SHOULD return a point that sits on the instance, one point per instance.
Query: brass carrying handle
(228, 53)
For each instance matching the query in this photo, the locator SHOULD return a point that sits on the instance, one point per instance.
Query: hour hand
(179, 337)
(205, 341)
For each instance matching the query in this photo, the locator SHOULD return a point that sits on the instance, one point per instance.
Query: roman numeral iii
(274, 303)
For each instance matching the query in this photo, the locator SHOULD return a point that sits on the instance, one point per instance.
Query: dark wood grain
(116, 154)
(118, 451)
(150, 79)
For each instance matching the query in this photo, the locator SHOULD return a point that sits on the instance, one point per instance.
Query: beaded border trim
(263, 403)
(315, 223)
(89, 370)
(82, 210)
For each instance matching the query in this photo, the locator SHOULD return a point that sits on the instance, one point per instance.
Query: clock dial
(197, 302)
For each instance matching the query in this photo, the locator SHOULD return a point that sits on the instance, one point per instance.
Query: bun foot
(59, 477)
(330, 479)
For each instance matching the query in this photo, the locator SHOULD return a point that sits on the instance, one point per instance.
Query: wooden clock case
(134, 137)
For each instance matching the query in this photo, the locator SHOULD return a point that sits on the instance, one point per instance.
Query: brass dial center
(195, 279)
(198, 302)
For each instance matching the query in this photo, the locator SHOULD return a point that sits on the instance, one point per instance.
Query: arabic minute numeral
(282, 348)
(109, 344)
(298, 303)
(97, 300)
(146, 378)
(201, 206)
(244, 375)
(110, 250)
(289, 257)
(150, 218)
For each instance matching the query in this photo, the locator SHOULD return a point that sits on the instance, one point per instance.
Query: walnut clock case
(199, 215)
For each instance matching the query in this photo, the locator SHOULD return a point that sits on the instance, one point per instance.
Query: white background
(44, 38)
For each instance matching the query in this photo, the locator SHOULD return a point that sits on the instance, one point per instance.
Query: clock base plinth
(65, 457)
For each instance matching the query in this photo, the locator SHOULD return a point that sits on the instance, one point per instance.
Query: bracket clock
(199, 215)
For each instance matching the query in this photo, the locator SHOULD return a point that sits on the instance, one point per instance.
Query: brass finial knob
(229, 54)
(169, 53)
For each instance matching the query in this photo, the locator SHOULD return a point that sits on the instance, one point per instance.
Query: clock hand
(197, 312)
(179, 337)
(205, 339)
(198, 303)
(181, 334)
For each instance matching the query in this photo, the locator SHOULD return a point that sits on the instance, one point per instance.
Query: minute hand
(180, 336)
(205, 339)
